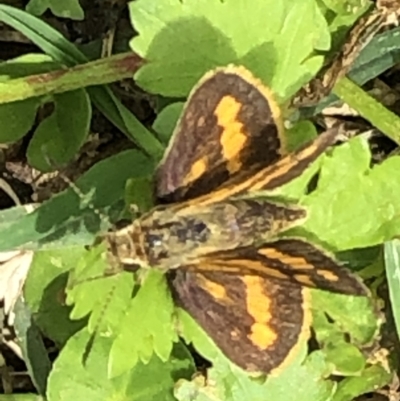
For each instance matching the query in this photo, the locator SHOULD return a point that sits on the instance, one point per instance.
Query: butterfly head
(125, 246)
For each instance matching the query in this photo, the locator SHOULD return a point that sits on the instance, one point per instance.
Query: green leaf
(17, 118)
(139, 193)
(342, 325)
(44, 292)
(33, 350)
(298, 40)
(151, 382)
(300, 134)
(205, 36)
(353, 205)
(305, 382)
(225, 381)
(59, 137)
(392, 264)
(61, 134)
(64, 9)
(347, 359)
(166, 121)
(372, 378)
(341, 16)
(354, 316)
(152, 310)
(92, 292)
(344, 7)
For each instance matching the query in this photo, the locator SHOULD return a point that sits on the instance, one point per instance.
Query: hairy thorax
(166, 238)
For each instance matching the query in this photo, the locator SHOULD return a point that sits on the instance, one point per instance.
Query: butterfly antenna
(107, 273)
(81, 195)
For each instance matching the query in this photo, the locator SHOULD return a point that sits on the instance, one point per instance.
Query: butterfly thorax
(167, 238)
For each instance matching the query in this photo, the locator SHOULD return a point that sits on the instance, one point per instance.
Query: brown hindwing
(290, 260)
(258, 323)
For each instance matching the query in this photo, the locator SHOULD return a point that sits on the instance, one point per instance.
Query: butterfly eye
(155, 240)
(156, 248)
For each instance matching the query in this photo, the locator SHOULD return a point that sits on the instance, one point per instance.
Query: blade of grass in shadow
(60, 49)
(33, 349)
(382, 53)
(392, 264)
(65, 219)
(43, 35)
(369, 108)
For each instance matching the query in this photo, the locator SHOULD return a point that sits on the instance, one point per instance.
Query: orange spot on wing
(262, 335)
(260, 308)
(303, 279)
(218, 291)
(328, 275)
(197, 170)
(240, 266)
(233, 136)
(297, 262)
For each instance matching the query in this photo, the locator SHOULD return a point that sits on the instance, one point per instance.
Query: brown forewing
(279, 173)
(230, 123)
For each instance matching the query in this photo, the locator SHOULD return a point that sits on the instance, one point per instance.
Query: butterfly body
(166, 239)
